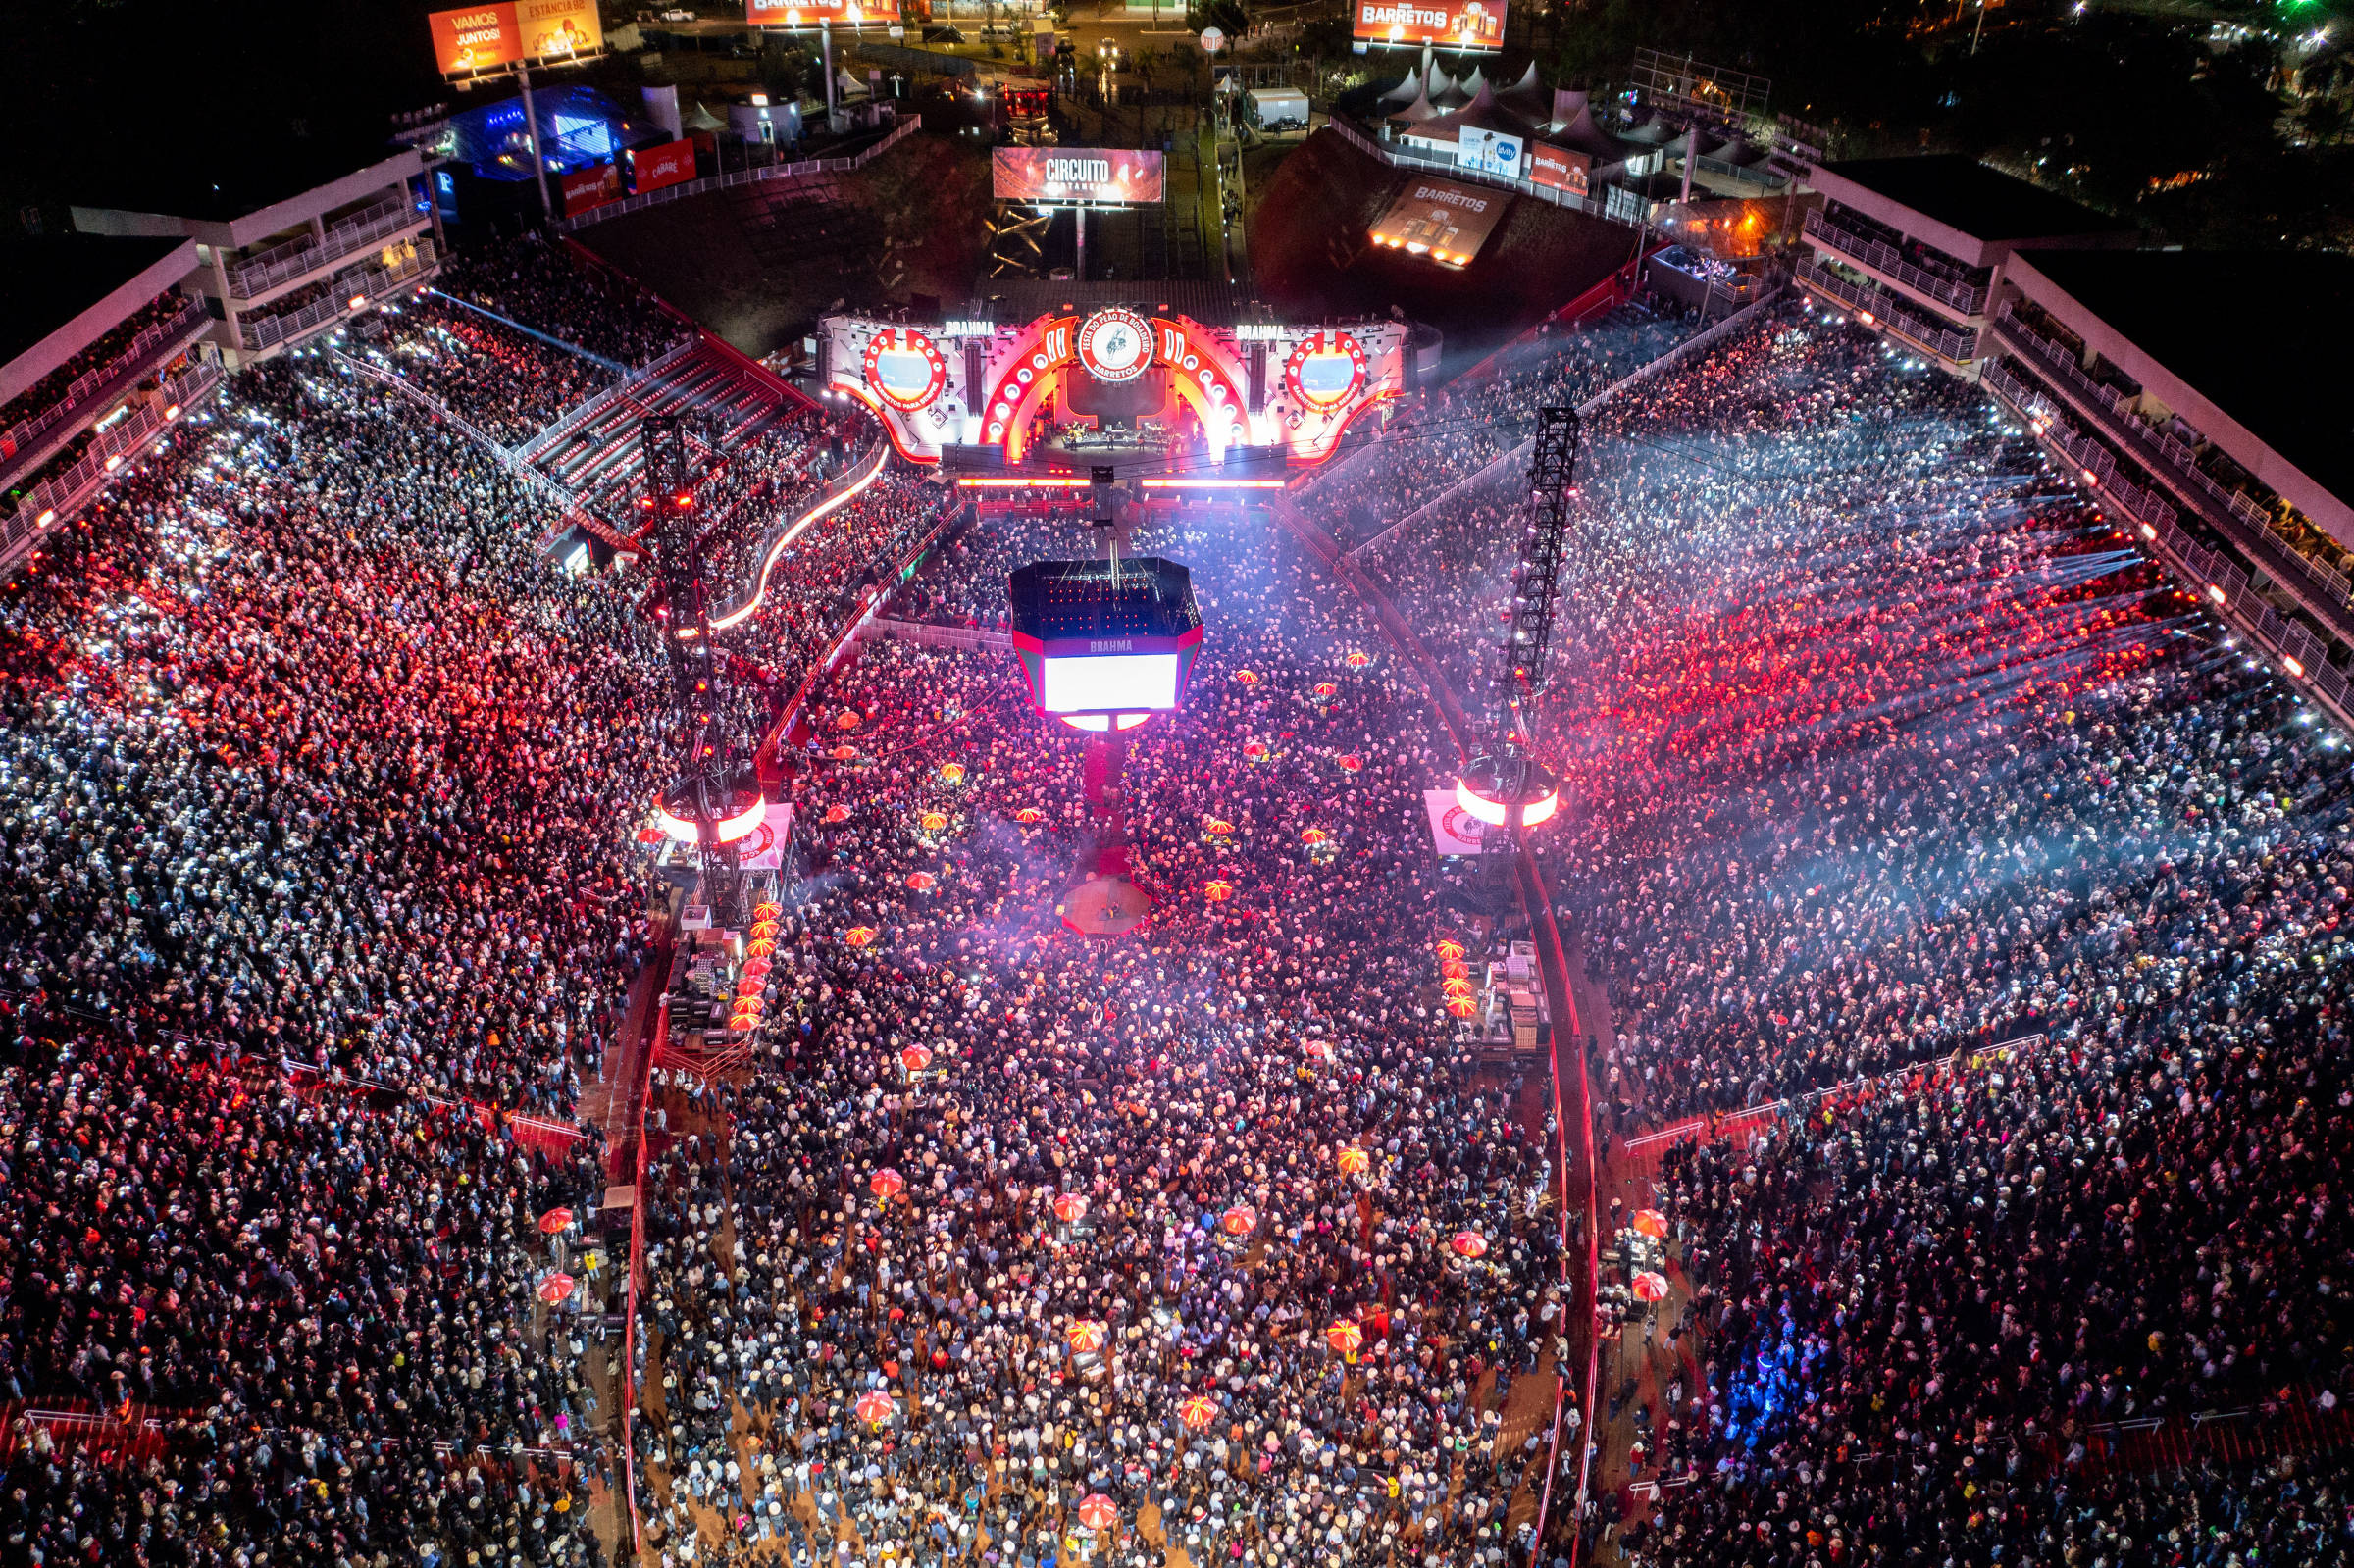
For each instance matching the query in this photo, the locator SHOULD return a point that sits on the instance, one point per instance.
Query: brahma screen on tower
(1448, 24)
(1073, 177)
(1105, 637)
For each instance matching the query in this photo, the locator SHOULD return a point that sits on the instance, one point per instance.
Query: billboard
(1491, 152)
(474, 39)
(585, 189)
(1448, 24)
(1441, 219)
(1561, 168)
(1108, 176)
(669, 163)
(809, 13)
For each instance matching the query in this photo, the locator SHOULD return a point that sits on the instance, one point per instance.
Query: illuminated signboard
(476, 39)
(1448, 24)
(809, 13)
(1115, 346)
(594, 187)
(1442, 219)
(1493, 152)
(1073, 177)
(905, 368)
(672, 163)
(1560, 168)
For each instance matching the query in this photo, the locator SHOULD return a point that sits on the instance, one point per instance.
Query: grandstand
(592, 450)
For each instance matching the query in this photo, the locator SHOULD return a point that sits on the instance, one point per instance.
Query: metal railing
(56, 499)
(925, 634)
(190, 318)
(1400, 157)
(2221, 582)
(1888, 310)
(2175, 465)
(907, 126)
(262, 332)
(258, 274)
(1865, 251)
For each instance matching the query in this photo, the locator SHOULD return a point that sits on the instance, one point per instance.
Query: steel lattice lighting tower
(715, 802)
(1503, 785)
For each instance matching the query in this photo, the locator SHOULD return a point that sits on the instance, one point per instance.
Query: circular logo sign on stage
(1115, 346)
(1457, 824)
(1326, 370)
(905, 368)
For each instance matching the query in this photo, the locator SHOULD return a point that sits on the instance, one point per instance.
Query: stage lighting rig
(1503, 785)
(715, 801)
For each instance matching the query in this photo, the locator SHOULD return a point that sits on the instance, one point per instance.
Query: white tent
(1408, 90)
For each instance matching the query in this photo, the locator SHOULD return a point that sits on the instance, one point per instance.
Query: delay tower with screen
(1104, 645)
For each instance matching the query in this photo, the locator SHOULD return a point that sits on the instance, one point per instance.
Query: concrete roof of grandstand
(66, 291)
(1982, 209)
(2179, 321)
(238, 195)
(1012, 300)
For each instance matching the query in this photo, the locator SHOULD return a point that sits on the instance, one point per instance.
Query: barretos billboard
(1448, 24)
(478, 40)
(809, 13)
(1077, 177)
(973, 383)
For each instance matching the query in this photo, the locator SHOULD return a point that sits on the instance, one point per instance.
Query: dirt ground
(759, 264)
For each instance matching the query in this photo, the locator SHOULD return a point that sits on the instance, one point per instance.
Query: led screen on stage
(1122, 681)
(1448, 24)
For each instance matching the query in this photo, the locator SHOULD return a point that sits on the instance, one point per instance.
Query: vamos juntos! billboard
(1448, 24)
(476, 39)
(1075, 177)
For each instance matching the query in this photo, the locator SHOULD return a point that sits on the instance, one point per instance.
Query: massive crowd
(310, 767)
(1195, 1090)
(1902, 795)
(1883, 747)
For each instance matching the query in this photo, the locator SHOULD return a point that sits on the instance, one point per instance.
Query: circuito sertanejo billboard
(1075, 177)
(1448, 24)
(474, 39)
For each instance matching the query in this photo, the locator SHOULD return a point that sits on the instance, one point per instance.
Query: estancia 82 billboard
(1448, 24)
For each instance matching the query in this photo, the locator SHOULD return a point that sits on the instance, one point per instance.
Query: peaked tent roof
(1568, 105)
(1586, 136)
(1420, 110)
(1408, 90)
(1652, 132)
(1528, 97)
(1482, 113)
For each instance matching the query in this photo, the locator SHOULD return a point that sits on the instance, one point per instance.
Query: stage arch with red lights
(1135, 378)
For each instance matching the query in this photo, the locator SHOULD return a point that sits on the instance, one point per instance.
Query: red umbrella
(1097, 1511)
(1344, 1338)
(1355, 1161)
(1070, 1208)
(1087, 1336)
(887, 1184)
(1197, 1412)
(767, 909)
(1470, 1243)
(556, 1220)
(1649, 1286)
(875, 1407)
(1652, 1223)
(837, 814)
(757, 967)
(1239, 1220)
(915, 1058)
(557, 1288)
